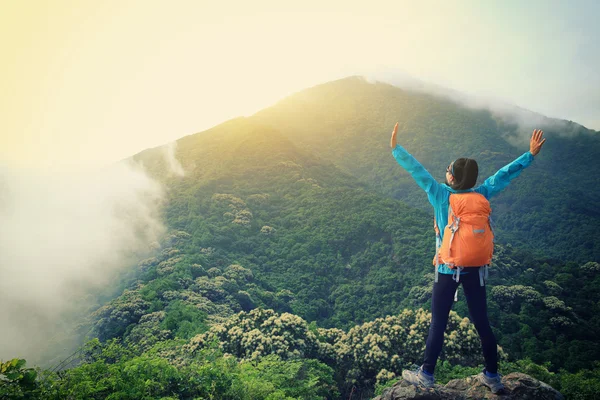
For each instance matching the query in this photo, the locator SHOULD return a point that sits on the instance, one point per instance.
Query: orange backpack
(468, 237)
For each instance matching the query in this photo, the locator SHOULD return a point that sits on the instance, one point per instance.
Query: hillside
(298, 261)
(344, 254)
(552, 209)
(299, 223)
(313, 216)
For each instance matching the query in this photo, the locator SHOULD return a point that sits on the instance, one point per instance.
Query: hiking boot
(418, 378)
(495, 384)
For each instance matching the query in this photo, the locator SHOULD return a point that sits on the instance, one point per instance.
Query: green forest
(297, 263)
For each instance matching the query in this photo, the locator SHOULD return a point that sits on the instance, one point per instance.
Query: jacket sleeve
(500, 180)
(418, 172)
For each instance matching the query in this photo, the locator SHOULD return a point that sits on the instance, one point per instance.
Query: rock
(518, 387)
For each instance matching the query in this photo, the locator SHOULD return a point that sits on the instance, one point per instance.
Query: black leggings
(441, 304)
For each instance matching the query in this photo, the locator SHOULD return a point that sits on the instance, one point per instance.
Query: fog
(174, 167)
(64, 233)
(523, 120)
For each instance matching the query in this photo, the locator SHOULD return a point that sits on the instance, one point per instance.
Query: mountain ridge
(347, 122)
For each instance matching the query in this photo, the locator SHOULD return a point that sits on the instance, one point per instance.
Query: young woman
(461, 176)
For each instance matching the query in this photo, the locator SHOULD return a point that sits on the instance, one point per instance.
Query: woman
(461, 176)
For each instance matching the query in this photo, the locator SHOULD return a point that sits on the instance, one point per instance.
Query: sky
(87, 83)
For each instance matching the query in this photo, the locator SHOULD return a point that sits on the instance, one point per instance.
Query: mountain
(298, 257)
(552, 209)
(296, 220)
(307, 195)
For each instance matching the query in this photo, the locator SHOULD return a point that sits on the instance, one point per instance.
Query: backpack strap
(438, 244)
(453, 227)
(483, 274)
(456, 274)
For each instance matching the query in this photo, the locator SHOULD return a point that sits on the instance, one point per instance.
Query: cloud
(65, 233)
(519, 122)
(173, 165)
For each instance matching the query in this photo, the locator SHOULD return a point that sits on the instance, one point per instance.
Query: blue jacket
(439, 193)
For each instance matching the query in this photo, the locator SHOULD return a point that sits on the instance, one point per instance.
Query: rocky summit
(518, 387)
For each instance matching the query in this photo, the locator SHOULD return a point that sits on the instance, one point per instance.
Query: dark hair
(464, 171)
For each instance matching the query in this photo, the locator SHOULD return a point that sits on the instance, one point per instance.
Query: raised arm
(414, 168)
(500, 180)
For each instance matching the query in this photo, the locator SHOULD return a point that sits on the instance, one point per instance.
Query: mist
(173, 164)
(520, 122)
(64, 234)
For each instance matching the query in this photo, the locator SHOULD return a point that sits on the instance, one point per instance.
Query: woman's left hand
(394, 133)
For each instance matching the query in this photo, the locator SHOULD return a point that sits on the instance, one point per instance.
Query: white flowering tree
(392, 343)
(260, 332)
(382, 347)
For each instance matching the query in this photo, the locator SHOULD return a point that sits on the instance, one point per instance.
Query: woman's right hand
(536, 142)
(394, 133)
